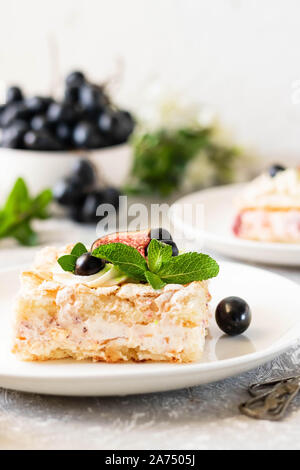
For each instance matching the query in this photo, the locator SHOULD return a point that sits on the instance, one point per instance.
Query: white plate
(275, 304)
(216, 232)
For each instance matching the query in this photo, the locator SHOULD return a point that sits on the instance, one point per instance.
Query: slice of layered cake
(269, 207)
(131, 300)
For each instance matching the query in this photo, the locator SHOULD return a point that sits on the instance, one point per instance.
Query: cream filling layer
(158, 337)
(283, 190)
(109, 276)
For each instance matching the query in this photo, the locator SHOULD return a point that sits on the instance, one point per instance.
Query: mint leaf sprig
(160, 268)
(19, 210)
(68, 262)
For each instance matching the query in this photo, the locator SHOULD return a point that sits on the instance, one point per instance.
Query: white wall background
(240, 56)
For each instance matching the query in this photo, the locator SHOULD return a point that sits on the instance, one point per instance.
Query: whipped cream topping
(281, 191)
(109, 276)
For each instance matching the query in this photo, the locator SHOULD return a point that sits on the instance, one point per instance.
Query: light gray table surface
(204, 417)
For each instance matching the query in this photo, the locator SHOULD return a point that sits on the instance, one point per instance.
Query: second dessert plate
(216, 234)
(275, 305)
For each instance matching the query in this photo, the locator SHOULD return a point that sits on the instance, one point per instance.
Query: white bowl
(43, 169)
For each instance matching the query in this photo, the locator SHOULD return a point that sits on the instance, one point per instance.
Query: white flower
(199, 172)
(169, 109)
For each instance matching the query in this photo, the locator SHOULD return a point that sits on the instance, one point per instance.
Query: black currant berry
(274, 169)
(233, 316)
(86, 265)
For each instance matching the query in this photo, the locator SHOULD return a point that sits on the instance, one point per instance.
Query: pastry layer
(117, 323)
(273, 225)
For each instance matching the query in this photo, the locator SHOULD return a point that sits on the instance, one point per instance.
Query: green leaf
(188, 267)
(8, 224)
(68, 262)
(78, 250)
(18, 197)
(154, 280)
(181, 269)
(127, 258)
(158, 253)
(19, 210)
(25, 235)
(161, 158)
(40, 202)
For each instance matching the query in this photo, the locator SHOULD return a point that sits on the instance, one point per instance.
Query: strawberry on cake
(269, 207)
(131, 297)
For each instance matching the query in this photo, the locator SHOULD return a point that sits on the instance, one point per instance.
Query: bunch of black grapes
(80, 194)
(84, 119)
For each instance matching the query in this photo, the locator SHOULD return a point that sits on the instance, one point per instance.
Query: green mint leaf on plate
(188, 267)
(162, 268)
(78, 250)
(154, 280)
(158, 253)
(127, 258)
(68, 262)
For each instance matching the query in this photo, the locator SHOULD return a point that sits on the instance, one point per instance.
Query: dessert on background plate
(132, 297)
(269, 207)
